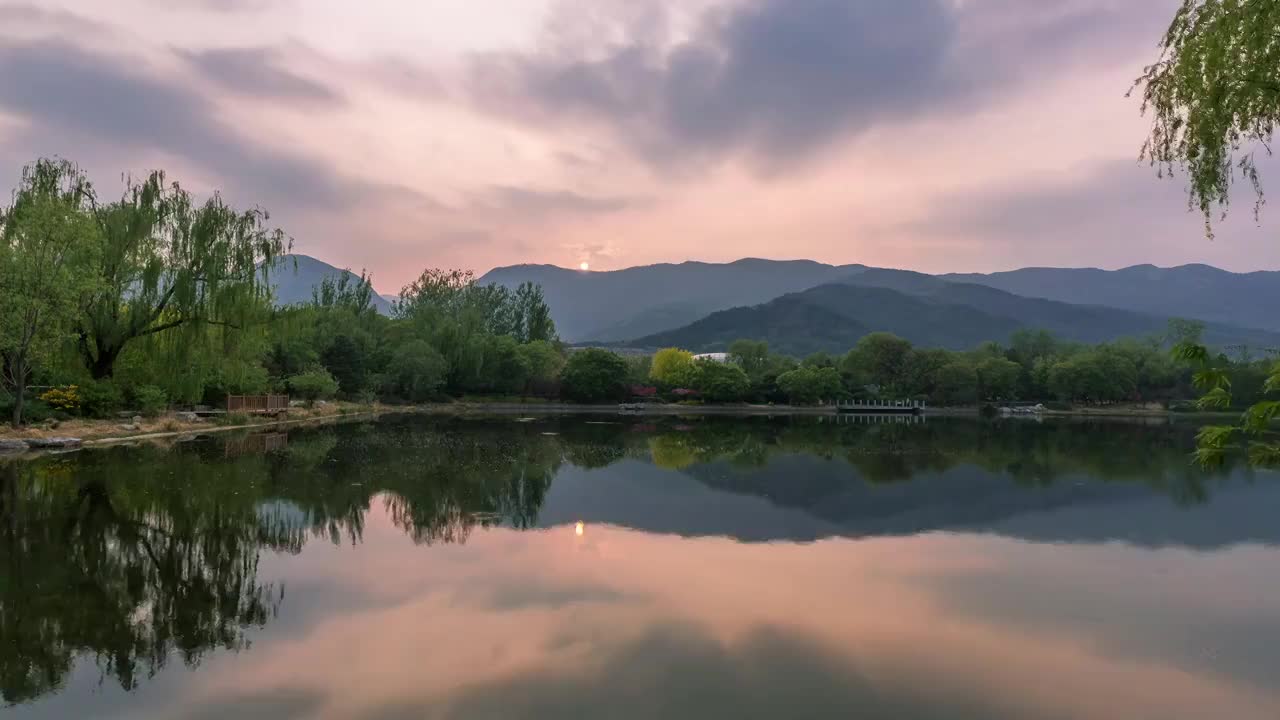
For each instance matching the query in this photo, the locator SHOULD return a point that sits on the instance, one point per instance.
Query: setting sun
(584, 266)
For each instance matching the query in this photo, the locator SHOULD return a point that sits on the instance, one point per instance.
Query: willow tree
(46, 247)
(1213, 96)
(1214, 99)
(171, 266)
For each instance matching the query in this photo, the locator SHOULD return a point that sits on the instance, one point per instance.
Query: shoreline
(160, 429)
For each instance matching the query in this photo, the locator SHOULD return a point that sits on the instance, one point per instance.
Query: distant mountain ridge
(639, 302)
(622, 304)
(293, 277)
(923, 309)
(1196, 291)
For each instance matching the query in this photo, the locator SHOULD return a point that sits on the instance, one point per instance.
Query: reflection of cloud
(522, 625)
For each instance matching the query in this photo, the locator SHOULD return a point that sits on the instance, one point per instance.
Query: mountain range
(801, 306)
(927, 311)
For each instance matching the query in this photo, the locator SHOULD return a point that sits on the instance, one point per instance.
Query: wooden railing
(258, 403)
(881, 406)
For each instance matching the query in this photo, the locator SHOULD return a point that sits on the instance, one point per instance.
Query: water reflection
(118, 562)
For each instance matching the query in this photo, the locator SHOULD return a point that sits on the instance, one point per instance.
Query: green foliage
(1213, 97)
(150, 400)
(879, 359)
(997, 378)
(957, 384)
(100, 399)
(806, 385)
(721, 382)
(47, 247)
(312, 385)
(171, 268)
(673, 367)
(416, 372)
(594, 375)
(347, 360)
(750, 355)
(542, 362)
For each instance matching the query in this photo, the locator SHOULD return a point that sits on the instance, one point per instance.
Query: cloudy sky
(938, 135)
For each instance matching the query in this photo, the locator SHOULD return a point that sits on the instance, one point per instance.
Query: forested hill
(936, 314)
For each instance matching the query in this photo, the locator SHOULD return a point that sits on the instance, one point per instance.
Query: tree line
(153, 298)
(1032, 366)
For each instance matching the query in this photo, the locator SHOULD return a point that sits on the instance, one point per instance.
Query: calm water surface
(578, 568)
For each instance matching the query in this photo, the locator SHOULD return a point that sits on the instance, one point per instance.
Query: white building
(717, 357)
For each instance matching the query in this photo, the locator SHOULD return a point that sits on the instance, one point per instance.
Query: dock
(881, 407)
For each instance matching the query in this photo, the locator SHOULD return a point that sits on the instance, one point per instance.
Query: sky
(935, 135)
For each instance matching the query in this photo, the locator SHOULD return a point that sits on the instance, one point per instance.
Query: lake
(636, 567)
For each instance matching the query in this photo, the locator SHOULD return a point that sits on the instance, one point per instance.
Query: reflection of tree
(128, 578)
(1031, 454)
(133, 555)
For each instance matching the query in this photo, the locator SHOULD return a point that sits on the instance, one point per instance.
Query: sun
(584, 266)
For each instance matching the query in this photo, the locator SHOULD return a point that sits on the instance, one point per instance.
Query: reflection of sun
(579, 528)
(584, 266)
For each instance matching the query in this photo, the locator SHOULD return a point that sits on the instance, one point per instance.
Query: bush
(100, 399)
(231, 419)
(65, 398)
(34, 411)
(313, 385)
(150, 400)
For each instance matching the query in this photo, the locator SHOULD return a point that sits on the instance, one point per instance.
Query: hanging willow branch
(1214, 98)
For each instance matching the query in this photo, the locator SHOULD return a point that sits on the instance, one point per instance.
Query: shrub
(100, 399)
(34, 411)
(313, 385)
(65, 398)
(150, 400)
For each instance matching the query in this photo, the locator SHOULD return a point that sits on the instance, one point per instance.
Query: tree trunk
(104, 365)
(19, 397)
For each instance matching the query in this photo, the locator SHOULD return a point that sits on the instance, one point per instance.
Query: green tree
(347, 359)
(416, 371)
(168, 265)
(1213, 97)
(543, 362)
(751, 355)
(880, 358)
(997, 378)
(721, 382)
(594, 375)
(534, 315)
(313, 385)
(47, 245)
(957, 384)
(673, 367)
(806, 385)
